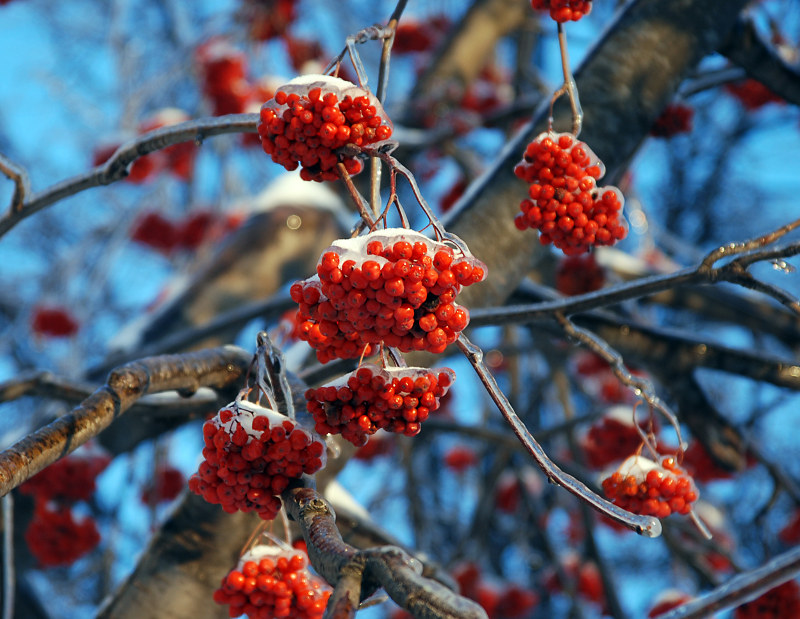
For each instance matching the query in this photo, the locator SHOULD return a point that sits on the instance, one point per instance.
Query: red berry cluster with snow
(312, 117)
(251, 453)
(564, 10)
(781, 602)
(564, 203)
(56, 538)
(611, 437)
(270, 582)
(371, 398)
(645, 487)
(394, 286)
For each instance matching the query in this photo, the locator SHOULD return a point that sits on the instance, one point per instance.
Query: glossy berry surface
(371, 398)
(564, 204)
(394, 286)
(563, 10)
(270, 583)
(67, 480)
(783, 601)
(250, 455)
(56, 538)
(313, 117)
(645, 487)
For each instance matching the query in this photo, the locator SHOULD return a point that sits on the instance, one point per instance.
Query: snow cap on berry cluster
(564, 202)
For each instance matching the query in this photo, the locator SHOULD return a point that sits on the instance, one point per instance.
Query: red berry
(53, 322)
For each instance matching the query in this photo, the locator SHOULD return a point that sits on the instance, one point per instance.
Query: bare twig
(22, 183)
(644, 525)
(214, 367)
(116, 168)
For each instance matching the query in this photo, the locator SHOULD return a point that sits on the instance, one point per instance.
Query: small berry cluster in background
(645, 487)
(564, 203)
(611, 438)
(53, 321)
(250, 455)
(371, 398)
(394, 286)
(268, 19)
(154, 230)
(563, 10)
(584, 573)
(412, 36)
(499, 600)
(312, 117)
(579, 275)
(752, 94)
(674, 119)
(167, 483)
(54, 536)
(780, 602)
(667, 600)
(271, 582)
(177, 159)
(460, 458)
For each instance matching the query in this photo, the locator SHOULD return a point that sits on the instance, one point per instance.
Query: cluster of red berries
(165, 236)
(269, 583)
(166, 485)
(500, 601)
(563, 10)
(611, 437)
(779, 602)
(371, 398)
(379, 444)
(312, 117)
(177, 159)
(393, 285)
(674, 119)
(584, 573)
(579, 275)
(268, 19)
(460, 458)
(67, 480)
(419, 36)
(564, 203)
(223, 72)
(56, 538)
(53, 321)
(251, 453)
(645, 487)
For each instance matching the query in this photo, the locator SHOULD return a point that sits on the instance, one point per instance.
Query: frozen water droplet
(781, 265)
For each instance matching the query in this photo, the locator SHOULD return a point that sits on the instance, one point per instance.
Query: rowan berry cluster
(611, 437)
(250, 455)
(645, 487)
(312, 117)
(371, 398)
(167, 236)
(579, 275)
(166, 485)
(269, 583)
(393, 285)
(499, 600)
(56, 538)
(564, 203)
(674, 119)
(564, 10)
(53, 322)
(67, 480)
(781, 601)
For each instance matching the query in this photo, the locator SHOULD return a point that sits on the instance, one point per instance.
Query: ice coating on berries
(271, 582)
(643, 486)
(371, 398)
(394, 286)
(309, 121)
(564, 202)
(251, 453)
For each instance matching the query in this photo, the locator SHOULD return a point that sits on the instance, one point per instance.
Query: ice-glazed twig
(275, 368)
(218, 368)
(644, 525)
(641, 387)
(742, 588)
(7, 505)
(733, 249)
(358, 199)
(22, 184)
(116, 168)
(569, 87)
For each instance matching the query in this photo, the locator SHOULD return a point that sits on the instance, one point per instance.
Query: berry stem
(569, 87)
(358, 199)
(644, 525)
(272, 365)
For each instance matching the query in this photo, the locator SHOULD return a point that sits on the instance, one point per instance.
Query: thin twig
(7, 505)
(644, 525)
(116, 168)
(22, 183)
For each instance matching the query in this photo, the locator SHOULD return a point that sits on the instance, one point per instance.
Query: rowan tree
(321, 297)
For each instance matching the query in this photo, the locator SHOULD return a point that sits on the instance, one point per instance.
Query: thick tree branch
(218, 368)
